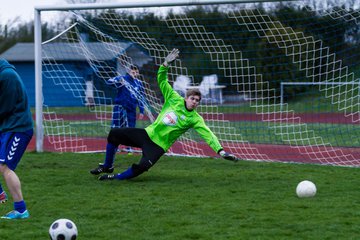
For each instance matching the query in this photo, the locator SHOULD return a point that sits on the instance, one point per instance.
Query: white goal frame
(126, 4)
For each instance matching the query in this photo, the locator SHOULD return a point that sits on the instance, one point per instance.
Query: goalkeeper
(176, 117)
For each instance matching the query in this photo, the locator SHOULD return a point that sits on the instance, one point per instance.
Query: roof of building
(68, 51)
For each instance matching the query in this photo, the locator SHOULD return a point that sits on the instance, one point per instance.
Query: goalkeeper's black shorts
(137, 137)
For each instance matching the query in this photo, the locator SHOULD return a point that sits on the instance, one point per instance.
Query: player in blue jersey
(16, 131)
(130, 95)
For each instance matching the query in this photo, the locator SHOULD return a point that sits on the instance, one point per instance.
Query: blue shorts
(123, 117)
(119, 117)
(13, 146)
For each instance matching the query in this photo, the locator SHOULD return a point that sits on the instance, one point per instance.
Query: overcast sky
(22, 8)
(25, 8)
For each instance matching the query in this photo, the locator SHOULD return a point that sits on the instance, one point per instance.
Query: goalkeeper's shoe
(101, 169)
(107, 177)
(3, 197)
(16, 215)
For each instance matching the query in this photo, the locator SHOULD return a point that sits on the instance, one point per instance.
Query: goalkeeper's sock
(110, 155)
(125, 175)
(20, 206)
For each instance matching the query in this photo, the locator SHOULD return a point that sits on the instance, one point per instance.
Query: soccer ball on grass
(63, 229)
(306, 189)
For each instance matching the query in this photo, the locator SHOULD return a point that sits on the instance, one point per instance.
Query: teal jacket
(15, 115)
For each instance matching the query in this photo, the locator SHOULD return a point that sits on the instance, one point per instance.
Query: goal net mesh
(237, 55)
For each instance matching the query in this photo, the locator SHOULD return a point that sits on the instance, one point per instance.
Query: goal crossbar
(137, 4)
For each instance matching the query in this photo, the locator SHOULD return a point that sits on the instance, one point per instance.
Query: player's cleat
(3, 197)
(16, 215)
(101, 169)
(107, 177)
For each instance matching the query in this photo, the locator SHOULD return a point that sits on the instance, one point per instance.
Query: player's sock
(20, 206)
(1, 189)
(125, 175)
(110, 155)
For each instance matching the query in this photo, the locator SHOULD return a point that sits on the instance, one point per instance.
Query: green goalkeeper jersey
(174, 119)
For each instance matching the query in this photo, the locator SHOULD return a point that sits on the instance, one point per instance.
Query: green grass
(186, 198)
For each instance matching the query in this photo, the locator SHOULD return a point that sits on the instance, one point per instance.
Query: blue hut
(73, 61)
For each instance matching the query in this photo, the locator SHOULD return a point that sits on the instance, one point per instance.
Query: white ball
(306, 189)
(63, 229)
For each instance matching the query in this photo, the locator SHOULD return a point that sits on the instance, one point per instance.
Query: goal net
(238, 55)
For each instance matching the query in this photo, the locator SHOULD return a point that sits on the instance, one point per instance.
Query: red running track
(280, 153)
(284, 153)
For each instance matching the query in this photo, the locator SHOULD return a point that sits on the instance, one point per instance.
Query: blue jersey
(130, 93)
(15, 115)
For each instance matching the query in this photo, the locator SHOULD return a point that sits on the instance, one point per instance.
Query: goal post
(239, 54)
(67, 7)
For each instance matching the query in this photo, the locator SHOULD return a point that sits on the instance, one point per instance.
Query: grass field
(186, 198)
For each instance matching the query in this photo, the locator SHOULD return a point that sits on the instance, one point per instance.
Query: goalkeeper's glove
(228, 156)
(171, 57)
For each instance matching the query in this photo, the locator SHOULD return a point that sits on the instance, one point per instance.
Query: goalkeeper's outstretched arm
(170, 58)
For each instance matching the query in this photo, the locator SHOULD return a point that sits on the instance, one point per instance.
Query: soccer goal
(237, 53)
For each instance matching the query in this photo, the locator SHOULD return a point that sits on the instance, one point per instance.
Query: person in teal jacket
(16, 131)
(176, 117)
